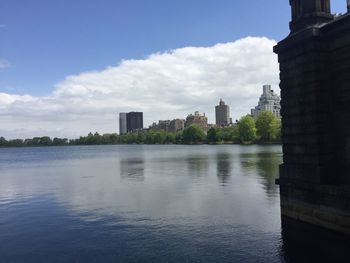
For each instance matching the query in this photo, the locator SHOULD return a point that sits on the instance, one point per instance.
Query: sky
(69, 67)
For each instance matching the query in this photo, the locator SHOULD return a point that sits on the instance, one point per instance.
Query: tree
(45, 140)
(160, 137)
(193, 134)
(170, 137)
(3, 142)
(278, 127)
(179, 138)
(230, 134)
(246, 128)
(214, 135)
(268, 126)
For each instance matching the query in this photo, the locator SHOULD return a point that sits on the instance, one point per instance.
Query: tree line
(265, 129)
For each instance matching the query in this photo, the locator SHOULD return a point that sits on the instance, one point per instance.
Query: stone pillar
(309, 182)
(307, 13)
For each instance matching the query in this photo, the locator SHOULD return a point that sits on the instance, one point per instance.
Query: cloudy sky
(69, 67)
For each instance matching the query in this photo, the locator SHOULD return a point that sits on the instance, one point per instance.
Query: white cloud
(163, 86)
(4, 64)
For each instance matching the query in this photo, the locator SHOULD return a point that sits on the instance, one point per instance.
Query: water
(141, 204)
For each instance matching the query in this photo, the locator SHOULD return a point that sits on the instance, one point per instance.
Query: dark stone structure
(315, 90)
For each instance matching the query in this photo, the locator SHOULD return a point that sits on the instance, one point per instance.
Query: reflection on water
(141, 204)
(198, 164)
(132, 169)
(223, 167)
(265, 165)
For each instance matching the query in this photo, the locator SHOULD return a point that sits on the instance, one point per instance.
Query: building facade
(269, 101)
(163, 125)
(222, 114)
(134, 121)
(122, 123)
(177, 125)
(200, 120)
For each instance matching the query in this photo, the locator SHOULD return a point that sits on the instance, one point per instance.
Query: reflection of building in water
(223, 167)
(198, 164)
(132, 169)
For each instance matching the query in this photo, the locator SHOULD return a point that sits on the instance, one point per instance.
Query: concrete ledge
(323, 216)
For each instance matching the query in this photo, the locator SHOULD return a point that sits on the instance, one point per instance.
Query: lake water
(141, 204)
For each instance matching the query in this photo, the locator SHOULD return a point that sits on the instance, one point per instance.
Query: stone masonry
(315, 91)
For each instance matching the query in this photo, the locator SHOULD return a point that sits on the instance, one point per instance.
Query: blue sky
(43, 42)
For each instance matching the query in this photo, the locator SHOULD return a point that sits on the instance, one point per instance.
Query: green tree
(278, 127)
(268, 126)
(140, 138)
(215, 135)
(160, 137)
(45, 140)
(230, 134)
(179, 138)
(193, 134)
(170, 137)
(3, 142)
(246, 129)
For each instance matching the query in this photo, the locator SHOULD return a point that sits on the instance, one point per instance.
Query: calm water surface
(140, 204)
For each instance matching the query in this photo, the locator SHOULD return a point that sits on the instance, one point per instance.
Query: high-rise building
(122, 123)
(222, 114)
(269, 101)
(134, 121)
(200, 120)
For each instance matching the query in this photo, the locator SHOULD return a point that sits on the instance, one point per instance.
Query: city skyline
(75, 74)
(268, 101)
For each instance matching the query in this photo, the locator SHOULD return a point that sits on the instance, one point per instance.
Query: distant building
(169, 126)
(176, 125)
(222, 114)
(268, 102)
(200, 120)
(122, 123)
(163, 125)
(134, 121)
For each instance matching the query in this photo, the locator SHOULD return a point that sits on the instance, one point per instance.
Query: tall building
(222, 114)
(200, 120)
(268, 102)
(122, 123)
(134, 121)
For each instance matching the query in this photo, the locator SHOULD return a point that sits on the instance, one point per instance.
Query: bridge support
(315, 90)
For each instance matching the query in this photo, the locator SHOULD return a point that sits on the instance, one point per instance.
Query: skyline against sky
(48, 48)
